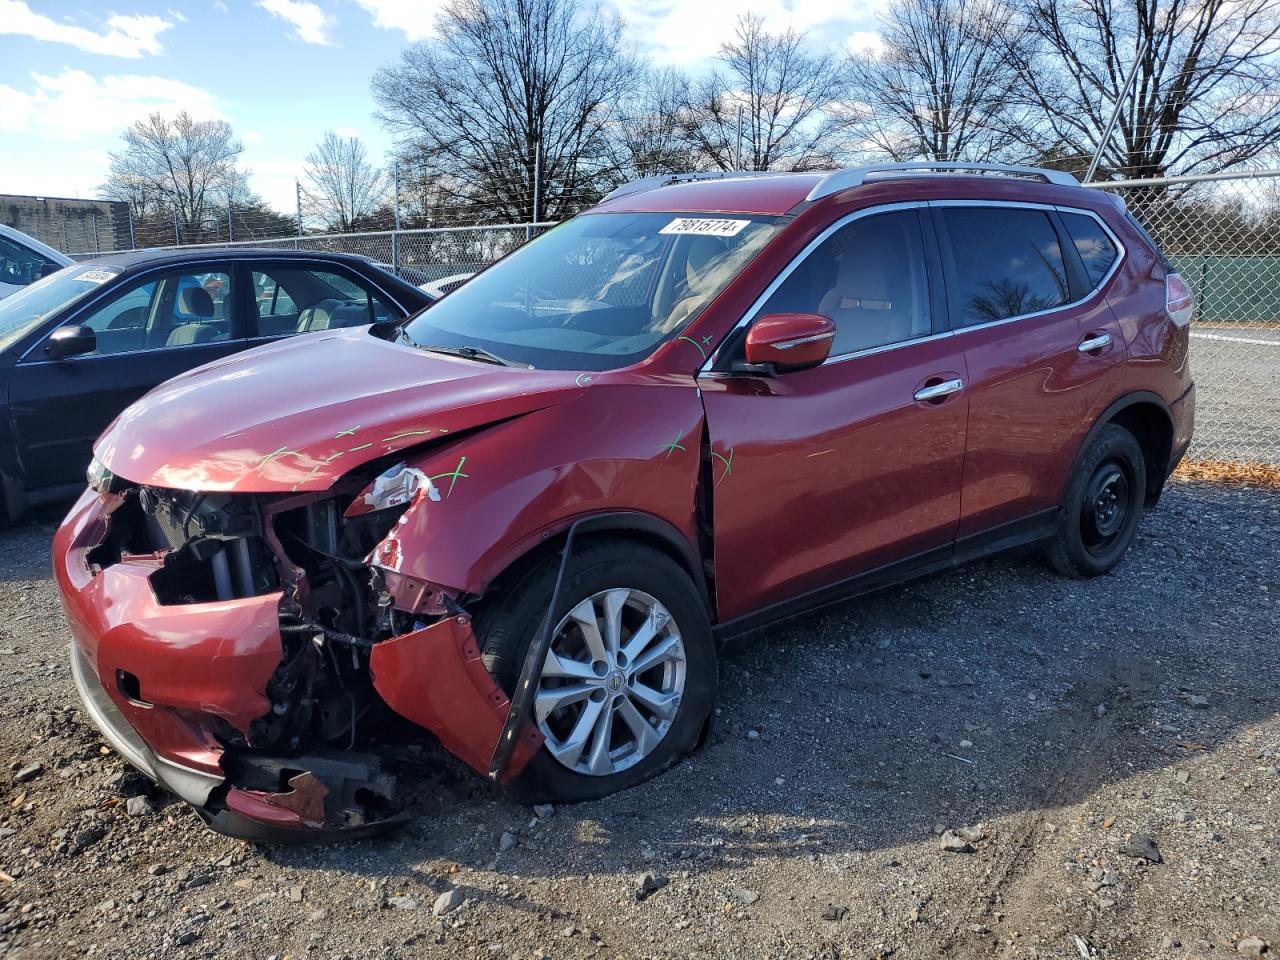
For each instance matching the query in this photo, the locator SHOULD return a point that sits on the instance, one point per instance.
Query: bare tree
(941, 86)
(1205, 93)
(513, 92)
(786, 91)
(650, 137)
(345, 188)
(180, 164)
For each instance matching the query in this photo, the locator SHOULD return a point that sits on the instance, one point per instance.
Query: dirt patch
(1059, 732)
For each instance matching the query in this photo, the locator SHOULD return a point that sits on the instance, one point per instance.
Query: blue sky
(73, 77)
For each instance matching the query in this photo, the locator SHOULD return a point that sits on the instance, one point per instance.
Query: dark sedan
(79, 346)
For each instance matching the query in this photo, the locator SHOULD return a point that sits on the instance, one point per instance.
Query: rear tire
(1102, 507)
(648, 717)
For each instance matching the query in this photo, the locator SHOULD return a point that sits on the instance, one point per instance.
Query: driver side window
(869, 277)
(171, 310)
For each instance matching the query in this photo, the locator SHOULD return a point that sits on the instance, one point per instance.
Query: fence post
(96, 248)
(133, 241)
(177, 232)
(231, 228)
(537, 182)
(395, 236)
(297, 195)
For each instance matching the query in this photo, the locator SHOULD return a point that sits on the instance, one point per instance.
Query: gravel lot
(1043, 722)
(1237, 371)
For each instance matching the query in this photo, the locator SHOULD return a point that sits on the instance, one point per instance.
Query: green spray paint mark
(346, 433)
(454, 476)
(696, 344)
(672, 447)
(275, 455)
(728, 465)
(407, 433)
(363, 446)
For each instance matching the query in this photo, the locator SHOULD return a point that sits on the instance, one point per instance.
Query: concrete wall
(72, 226)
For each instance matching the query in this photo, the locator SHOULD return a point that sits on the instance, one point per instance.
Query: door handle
(1090, 344)
(938, 391)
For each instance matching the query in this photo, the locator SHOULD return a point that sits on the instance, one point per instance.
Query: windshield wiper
(476, 353)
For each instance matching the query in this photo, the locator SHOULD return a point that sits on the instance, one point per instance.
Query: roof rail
(856, 176)
(667, 179)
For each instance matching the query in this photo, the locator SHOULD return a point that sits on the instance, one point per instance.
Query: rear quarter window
(1096, 249)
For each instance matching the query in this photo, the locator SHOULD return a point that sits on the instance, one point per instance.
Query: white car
(25, 260)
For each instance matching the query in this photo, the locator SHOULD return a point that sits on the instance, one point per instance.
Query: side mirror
(70, 342)
(781, 342)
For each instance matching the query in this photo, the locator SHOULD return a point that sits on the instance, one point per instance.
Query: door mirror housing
(70, 342)
(782, 342)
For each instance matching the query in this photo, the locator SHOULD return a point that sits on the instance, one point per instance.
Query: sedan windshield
(598, 292)
(24, 310)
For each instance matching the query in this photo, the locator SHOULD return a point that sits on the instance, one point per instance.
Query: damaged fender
(434, 676)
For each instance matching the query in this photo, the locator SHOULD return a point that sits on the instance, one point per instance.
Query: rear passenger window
(1005, 262)
(869, 277)
(1095, 247)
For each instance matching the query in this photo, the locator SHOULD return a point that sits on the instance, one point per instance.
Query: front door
(152, 329)
(819, 475)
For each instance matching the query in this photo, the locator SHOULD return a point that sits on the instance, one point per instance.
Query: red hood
(299, 414)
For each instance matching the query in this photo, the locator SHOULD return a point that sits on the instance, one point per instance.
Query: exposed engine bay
(311, 760)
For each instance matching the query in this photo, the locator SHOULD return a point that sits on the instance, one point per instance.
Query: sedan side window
(19, 265)
(869, 277)
(172, 310)
(1005, 262)
(294, 299)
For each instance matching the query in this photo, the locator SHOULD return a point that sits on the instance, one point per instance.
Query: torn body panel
(570, 467)
(435, 677)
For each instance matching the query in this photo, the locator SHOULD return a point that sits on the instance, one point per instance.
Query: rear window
(1094, 245)
(1004, 262)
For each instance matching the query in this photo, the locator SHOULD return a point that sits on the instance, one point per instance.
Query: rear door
(153, 327)
(1040, 345)
(822, 474)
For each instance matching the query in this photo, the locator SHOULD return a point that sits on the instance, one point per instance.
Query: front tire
(1102, 507)
(630, 677)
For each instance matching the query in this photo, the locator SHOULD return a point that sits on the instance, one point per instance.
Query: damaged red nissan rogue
(522, 519)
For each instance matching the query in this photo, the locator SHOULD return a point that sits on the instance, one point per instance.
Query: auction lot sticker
(705, 227)
(97, 276)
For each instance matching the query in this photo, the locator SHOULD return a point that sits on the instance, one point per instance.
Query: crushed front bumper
(176, 689)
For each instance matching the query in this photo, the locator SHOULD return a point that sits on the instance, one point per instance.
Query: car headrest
(195, 302)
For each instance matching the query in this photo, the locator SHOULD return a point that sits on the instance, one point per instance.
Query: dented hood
(299, 414)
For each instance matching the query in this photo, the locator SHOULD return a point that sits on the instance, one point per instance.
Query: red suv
(522, 519)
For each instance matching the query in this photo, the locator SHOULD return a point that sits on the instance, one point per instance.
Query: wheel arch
(1145, 415)
(620, 525)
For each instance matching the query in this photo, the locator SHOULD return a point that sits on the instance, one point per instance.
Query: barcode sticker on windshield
(705, 227)
(97, 276)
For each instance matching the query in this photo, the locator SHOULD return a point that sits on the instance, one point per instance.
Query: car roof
(131, 259)
(775, 194)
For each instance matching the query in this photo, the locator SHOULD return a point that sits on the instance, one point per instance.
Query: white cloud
(310, 23)
(416, 19)
(124, 36)
(177, 15)
(865, 41)
(685, 32)
(348, 132)
(221, 6)
(76, 106)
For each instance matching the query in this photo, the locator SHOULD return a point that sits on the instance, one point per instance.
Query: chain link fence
(1222, 233)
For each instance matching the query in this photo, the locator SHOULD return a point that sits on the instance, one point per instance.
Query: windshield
(24, 310)
(598, 292)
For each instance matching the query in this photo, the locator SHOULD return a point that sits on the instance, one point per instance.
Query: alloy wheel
(612, 682)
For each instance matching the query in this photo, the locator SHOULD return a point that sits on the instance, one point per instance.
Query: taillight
(1177, 300)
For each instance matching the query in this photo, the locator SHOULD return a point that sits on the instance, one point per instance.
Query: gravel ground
(1062, 734)
(1237, 371)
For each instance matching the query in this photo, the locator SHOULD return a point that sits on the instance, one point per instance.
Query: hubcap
(1106, 507)
(612, 682)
